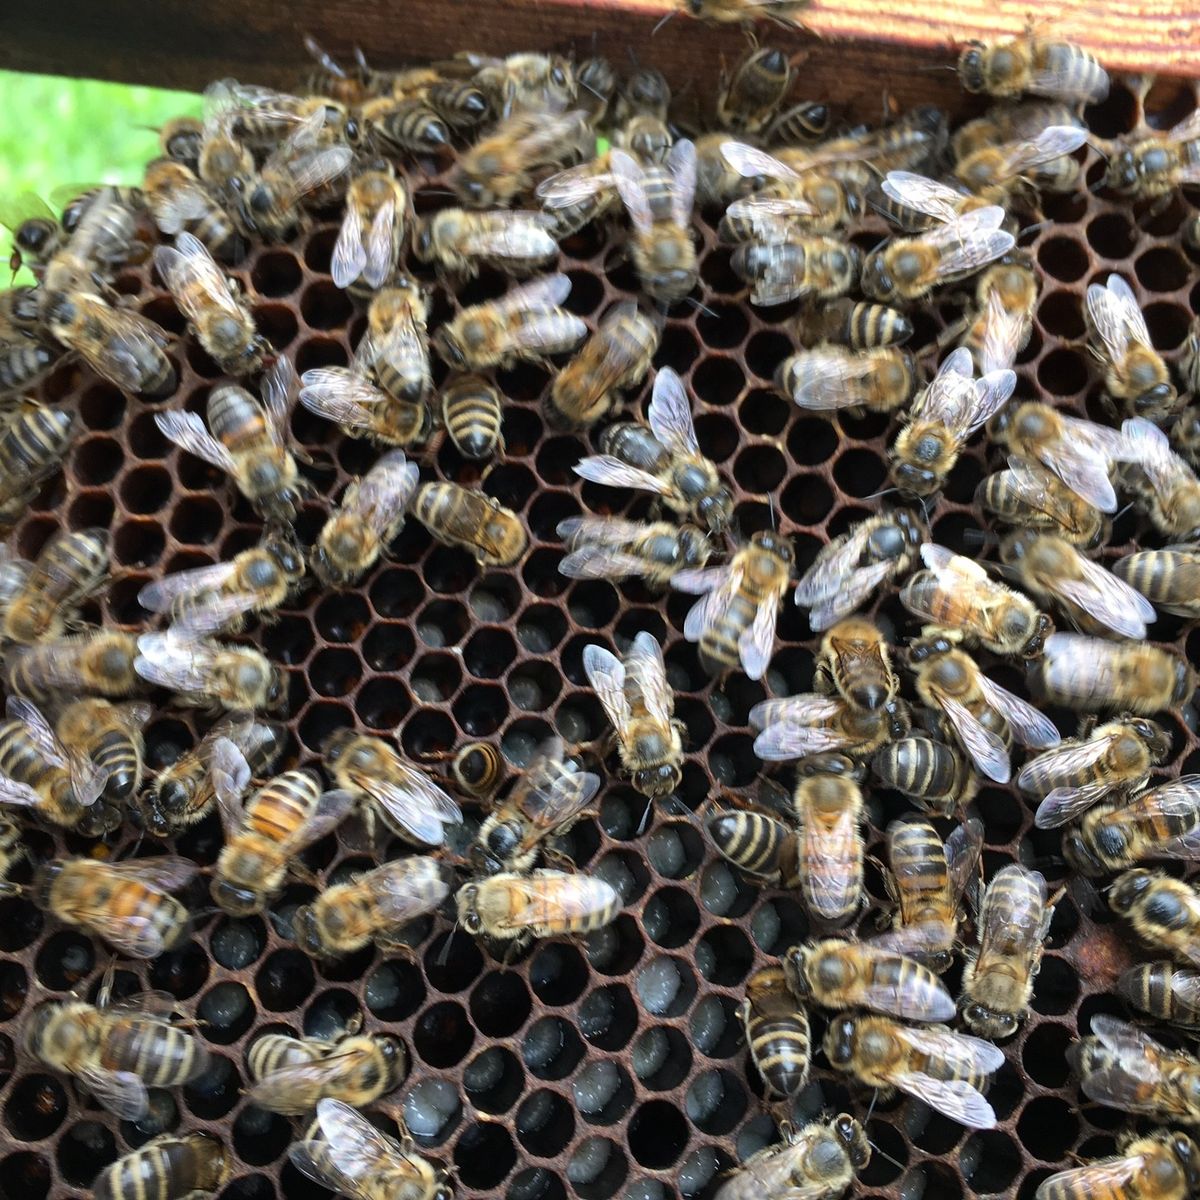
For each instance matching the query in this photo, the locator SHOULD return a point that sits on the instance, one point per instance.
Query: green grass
(66, 132)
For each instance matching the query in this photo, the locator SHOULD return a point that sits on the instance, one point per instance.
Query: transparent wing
(858, 587)
(1070, 758)
(355, 1147)
(698, 580)
(670, 414)
(928, 937)
(959, 1050)
(332, 808)
(957, 1099)
(1052, 142)
(1029, 726)
(162, 593)
(756, 643)
(166, 872)
(520, 235)
(129, 340)
(830, 380)
(750, 162)
(574, 185)
(936, 200)
(1110, 600)
(1112, 1178)
(194, 278)
(595, 562)
(768, 215)
(349, 254)
(987, 751)
(173, 662)
(386, 490)
(629, 178)
(17, 708)
(132, 935)
(381, 245)
(606, 674)
(1078, 466)
(1148, 446)
(973, 240)
(963, 848)
(546, 334)
(188, 431)
(604, 468)
(807, 708)
(408, 888)
(786, 740)
(20, 794)
(681, 165)
(647, 673)
(917, 998)
(832, 564)
(341, 395)
(278, 383)
(1064, 804)
(121, 1092)
(824, 859)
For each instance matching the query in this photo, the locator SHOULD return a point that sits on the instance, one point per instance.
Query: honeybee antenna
(661, 23)
(771, 510)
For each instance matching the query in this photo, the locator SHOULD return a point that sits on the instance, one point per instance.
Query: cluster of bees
(528, 172)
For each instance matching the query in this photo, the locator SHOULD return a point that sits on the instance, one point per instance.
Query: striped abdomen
(237, 420)
(21, 362)
(471, 411)
(918, 861)
(719, 641)
(752, 841)
(282, 806)
(169, 1168)
(275, 1051)
(32, 446)
(154, 1051)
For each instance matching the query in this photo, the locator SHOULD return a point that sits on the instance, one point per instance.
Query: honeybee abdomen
(155, 1052)
(750, 840)
(170, 1169)
(276, 1051)
(471, 410)
(20, 758)
(1153, 987)
(635, 445)
(404, 374)
(778, 1034)
(34, 440)
(719, 642)
(283, 805)
(477, 768)
(918, 861)
(236, 420)
(1078, 73)
(22, 362)
(116, 752)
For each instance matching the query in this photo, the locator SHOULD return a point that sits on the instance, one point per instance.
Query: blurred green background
(77, 131)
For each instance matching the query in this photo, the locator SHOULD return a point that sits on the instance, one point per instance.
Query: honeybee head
(1185, 1152)
(854, 1137)
(970, 66)
(657, 781)
(990, 1024)
(877, 281)
(1128, 889)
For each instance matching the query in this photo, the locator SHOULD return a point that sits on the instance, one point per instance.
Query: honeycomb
(617, 1066)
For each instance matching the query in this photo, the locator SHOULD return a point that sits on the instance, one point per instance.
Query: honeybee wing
(1187, 130)
(987, 751)
(165, 872)
(1029, 726)
(349, 257)
(827, 611)
(923, 997)
(121, 1092)
(681, 165)
(1110, 600)
(316, 167)
(162, 593)
(538, 295)
(927, 937)
(14, 792)
(546, 333)
(1109, 311)
(1052, 142)
(417, 804)
(959, 1051)
(958, 568)
(606, 674)
(341, 395)
(971, 241)
(630, 182)
(595, 562)
(756, 643)
(511, 235)
(573, 186)
(332, 808)
(604, 468)
(175, 662)
(381, 244)
(286, 1089)
(721, 585)
(647, 673)
(805, 708)
(408, 888)
(132, 935)
(193, 277)
(827, 579)
(385, 490)
(830, 378)
(783, 740)
(1082, 459)
(353, 1145)
(698, 580)
(277, 386)
(1062, 803)
(670, 414)
(769, 216)
(127, 341)
(964, 845)
(825, 863)
(17, 708)
(1129, 1079)
(567, 899)
(1003, 330)
(955, 1099)
(188, 431)
(548, 795)
(750, 162)
(1177, 797)
(923, 195)
(1149, 447)
(1115, 1177)
(173, 209)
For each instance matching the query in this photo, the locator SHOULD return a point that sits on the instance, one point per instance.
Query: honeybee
(478, 768)
(717, 183)
(101, 662)
(908, 268)
(301, 164)
(1122, 1066)
(525, 323)
(584, 193)
(639, 703)
(941, 420)
(178, 201)
(831, 378)
(1189, 360)
(472, 412)
(168, 1168)
(1165, 486)
(1134, 372)
(659, 202)
(224, 163)
(983, 716)
(776, 1031)
(848, 569)
(1094, 600)
(116, 1051)
(748, 99)
(207, 674)
(801, 267)
(1031, 65)
(343, 1151)
(944, 1069)
(111, 736)
(248, 441)
(735, 620)
(38, 772)
(473, 521)
(520, 907)
(613, 548)
(409, 803)
(223, 325)
(32, 446)
(541, 84)
(1027, 495)
(854, 324)
(743, 12)
(1116, 757)
(1081, 453)
(126, 903)
(1163, 990)
(370, 515)
(1161, 1166)
(183, 793)
(1164, 912)
(102, 224)
(70, 567)
(292, 1074)
(994, 172)
(179, 139)
(1093, 675)
(614, 359)
(819, 1161)
(500, 167)
(207, 599)
(548, 797)
(264, 835)
(347, 397)
(926, 880)
(400, 124)
(665, 459)
(1156, 165)
(955, 593)
(1014, 919)
(1170, 577)
(460, 241)
(597, 86)
(395, 347)
(837, 974)
(933, 776)
(121, 346)
(1163, 822)
(373, 906)
(20, 312)
(855, 661)
(829, 813)
(372, 232)
(37, 233)
(1005, 297)
(809, 723)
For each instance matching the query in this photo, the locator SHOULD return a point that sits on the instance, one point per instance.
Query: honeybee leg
(302, 873)
(559, 860)
(404, 951)
(823, 678)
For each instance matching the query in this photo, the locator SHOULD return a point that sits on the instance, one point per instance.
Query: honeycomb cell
(36, 1107)
(394, 990)
(432, 1110)
(551, 1048)
(1047, 1127)
(1167, 102)
(62, 961)
(276, 273)
(764, 413)
(558, 974)
(442, 623)
(1162, 270)
(196, 521)
(807, 499)
(335, 672)
(182, 972)
(388, 647)
(443, 1036)
(483, 1156)
(675, 850)
(716, 1101)
(83, 1151)
(658, 1134)
(759, 469)
(724, 955)
(722, 326)
(25, 1175)
(102, 407)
